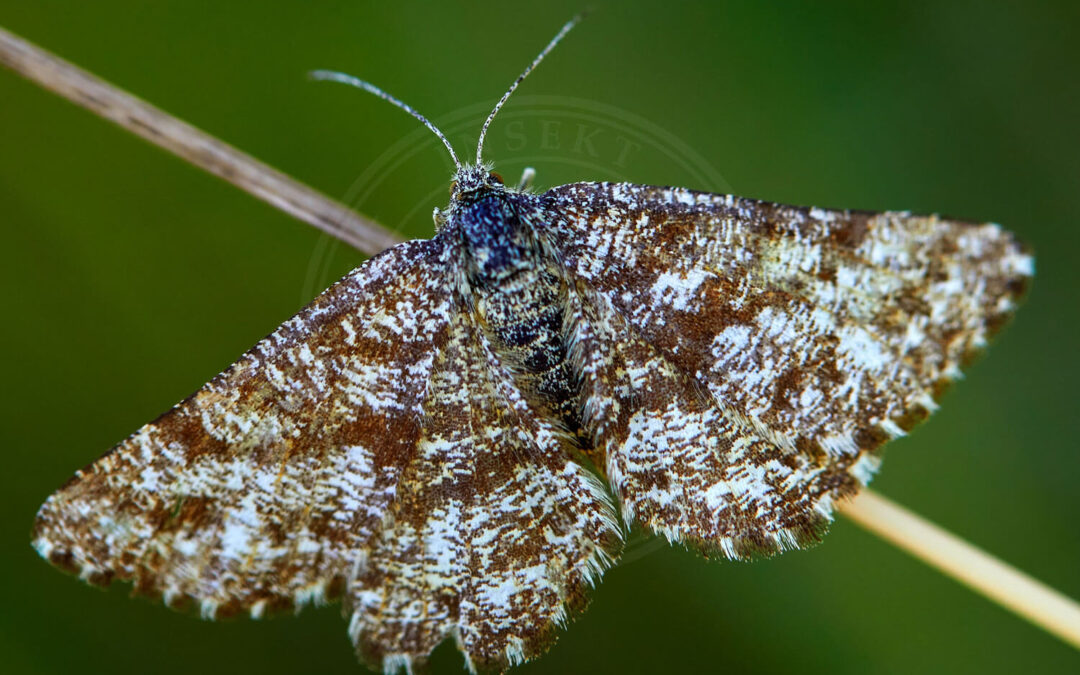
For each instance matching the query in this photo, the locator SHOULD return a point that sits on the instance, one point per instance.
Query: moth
(454, 438)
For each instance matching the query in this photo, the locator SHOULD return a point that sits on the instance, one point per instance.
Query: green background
(131, 278)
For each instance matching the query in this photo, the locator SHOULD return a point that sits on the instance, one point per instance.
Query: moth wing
(373, 446)
(813, 336)
(258, 491)
(495, 534)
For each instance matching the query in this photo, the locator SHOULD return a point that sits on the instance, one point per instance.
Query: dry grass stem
(193, 145)
(980, 571)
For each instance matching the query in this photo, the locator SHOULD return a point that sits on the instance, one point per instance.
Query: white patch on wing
(679, 290)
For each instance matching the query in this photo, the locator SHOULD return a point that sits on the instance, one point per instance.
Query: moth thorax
(498, 243)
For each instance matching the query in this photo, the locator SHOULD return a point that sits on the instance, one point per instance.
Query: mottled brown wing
(495, 534)
(373, 446)
(757, 355)
(259, 491)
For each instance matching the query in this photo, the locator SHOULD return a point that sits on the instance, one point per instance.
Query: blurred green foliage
(130, 278)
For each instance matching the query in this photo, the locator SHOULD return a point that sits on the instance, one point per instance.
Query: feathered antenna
(551, 45)
(332, 76)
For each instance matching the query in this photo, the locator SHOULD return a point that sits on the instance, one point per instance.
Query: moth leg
(527, 177)
(438, 217)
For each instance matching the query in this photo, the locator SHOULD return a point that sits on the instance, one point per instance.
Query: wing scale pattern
(811, 335)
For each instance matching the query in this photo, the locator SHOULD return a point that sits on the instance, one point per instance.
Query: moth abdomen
(525, 319)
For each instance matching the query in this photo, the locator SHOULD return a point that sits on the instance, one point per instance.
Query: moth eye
(453, 186)
(496, 177)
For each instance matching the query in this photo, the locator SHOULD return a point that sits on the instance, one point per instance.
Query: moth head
(472, 179)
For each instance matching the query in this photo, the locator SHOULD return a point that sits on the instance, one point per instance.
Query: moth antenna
(333, 76)
(551, 45)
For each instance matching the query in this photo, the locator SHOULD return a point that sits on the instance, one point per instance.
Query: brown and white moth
(454, 437)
